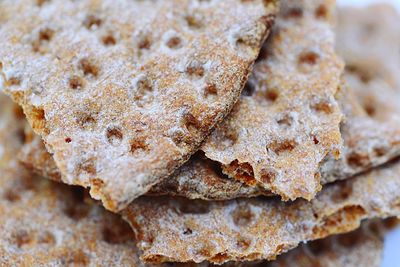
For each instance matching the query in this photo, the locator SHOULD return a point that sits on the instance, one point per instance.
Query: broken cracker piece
(287, 120)
(44, 223)
(123, 93)
(174, 229)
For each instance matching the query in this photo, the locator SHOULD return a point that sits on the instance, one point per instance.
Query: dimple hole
(138, 144)
(145, 42)
(114, 136)
(14, 81)
(282, 146)
(88, 67)
(91, 22)
(321, 12)
(46, 34)
(191, 123)
(195, 70)
(174, 42)
(85, 120)
(242, 216)
(210, 90)
(323, 106)
(11, 195)
(187, 231)
(22, 237)
(41, 2)
(76, 82)
(355, 159)
(294, 12)
(309, 58)
(285, 120)
(370, 109)
(109, 40)
(272, 95)
(193, 22)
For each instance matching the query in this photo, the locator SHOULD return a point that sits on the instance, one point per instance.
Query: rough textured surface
(288, 104)
(110, 89)
(277, 134)
(362, 247)
(174, 229)
(369, 41)
(43, 223)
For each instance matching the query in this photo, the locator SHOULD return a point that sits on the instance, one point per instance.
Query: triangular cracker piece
(43, 223)
(277, 136)
(174, 229)
(124, 92)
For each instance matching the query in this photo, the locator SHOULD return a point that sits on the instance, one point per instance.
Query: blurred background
(391, 253)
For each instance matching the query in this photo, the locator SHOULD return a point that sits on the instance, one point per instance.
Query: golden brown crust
(123, 99)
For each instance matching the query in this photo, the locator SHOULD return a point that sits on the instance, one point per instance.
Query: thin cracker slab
(44, 223)
(173, 229)
(277, 134)
(275, 139)
(123, 93)
(362, 247)
(369, 139)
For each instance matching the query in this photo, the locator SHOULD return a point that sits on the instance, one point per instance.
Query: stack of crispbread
(197, 132)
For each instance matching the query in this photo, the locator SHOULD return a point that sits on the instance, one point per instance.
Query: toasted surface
(289, 122)
(174, 229)
(362, 247)
(277, 136)
(369, 40)
(44, 223)
(110, 89)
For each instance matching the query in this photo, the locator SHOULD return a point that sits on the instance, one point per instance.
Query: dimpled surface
(174, 229)
(369, 42)
(287, 121)
(124, 92)
(275, 139)
(43, 223)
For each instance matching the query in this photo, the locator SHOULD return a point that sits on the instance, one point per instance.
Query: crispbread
(44, 223)
(306, 88)
(124, 92)
(363, 247)
(277, 137)
(369, 40)
(174, 229)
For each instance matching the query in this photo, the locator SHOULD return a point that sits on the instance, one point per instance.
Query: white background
(391, 253)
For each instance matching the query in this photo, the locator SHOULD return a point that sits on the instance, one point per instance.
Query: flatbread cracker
(277, 137)
(371, 127)
(123, 93)
(362, 247)
(174, 229)
(258, 121)
(45, 223)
